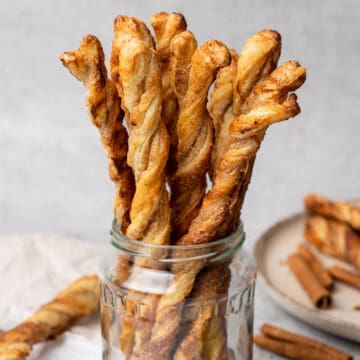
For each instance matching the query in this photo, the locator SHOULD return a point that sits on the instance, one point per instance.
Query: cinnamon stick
(357, 307)
(349, 277)
(320, 297)
(290, 337)
(320, 271)
(294, 351)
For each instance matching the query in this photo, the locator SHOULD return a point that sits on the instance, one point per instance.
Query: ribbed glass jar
(177, 302)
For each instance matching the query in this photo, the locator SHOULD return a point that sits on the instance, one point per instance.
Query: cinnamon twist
(269, 103)
(125, 29)
(166, 27)
(334, 238)
(195, 136)
(103, 105)
(256, 61)
(220, 108)
(79, 299)
(204, 297)
(338, 210)
(140, 83)
(182, 48)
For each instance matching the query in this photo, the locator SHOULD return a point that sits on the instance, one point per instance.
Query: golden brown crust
(256, 61)
(182, 48)
(338, 210)
(79, 299)
(166, 27)
(195, 136)
(214, 210)
(103, 105)
(334, 238)
(126, 28)
(220, 108)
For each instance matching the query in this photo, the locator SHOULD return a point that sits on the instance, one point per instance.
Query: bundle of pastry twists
(176, 132)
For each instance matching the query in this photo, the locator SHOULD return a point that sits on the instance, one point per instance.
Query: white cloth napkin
(33, 269)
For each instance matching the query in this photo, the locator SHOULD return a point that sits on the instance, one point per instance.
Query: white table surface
(53, 173)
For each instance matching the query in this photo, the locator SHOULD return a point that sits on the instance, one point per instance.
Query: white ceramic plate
(271, 251)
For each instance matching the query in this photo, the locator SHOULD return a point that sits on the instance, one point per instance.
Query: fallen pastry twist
(79, 299)
(334, 238)
(268, 103)
(338, 210)
(103, 105)
(166, 27)
(195, 136)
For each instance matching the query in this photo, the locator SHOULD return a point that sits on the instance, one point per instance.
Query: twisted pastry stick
(334, 238)
(256, 61)
(140, 84)
(338, 210)
(220, 108)
(125, 29)
(166, 27)
(215, 342)
(79, 299)
(182, 48)
(268, 103)
(148, 142)
(103, 105)
(195, 136)
(205, 295)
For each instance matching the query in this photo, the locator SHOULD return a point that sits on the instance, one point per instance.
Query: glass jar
(177, 302)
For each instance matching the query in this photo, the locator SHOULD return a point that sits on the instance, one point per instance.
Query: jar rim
(117, 237)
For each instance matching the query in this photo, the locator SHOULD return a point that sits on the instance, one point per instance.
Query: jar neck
(219, 250)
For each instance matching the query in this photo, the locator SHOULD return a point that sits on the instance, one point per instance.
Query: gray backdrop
(53, 172)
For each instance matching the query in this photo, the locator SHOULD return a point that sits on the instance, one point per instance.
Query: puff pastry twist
(103, 105)
(79, 299)
(166, 27)
(195, 136)
(139, 82)
(334, 238)
(338, 210)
